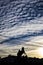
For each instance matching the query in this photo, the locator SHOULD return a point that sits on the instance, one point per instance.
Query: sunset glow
(40, 51)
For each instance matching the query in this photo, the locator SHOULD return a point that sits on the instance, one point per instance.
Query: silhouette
(21, 52)
(14, 60)
(20, 60)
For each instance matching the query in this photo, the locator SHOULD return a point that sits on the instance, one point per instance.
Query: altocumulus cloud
(21, 24)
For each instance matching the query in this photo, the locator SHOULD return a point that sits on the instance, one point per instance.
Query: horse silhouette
(21, 52)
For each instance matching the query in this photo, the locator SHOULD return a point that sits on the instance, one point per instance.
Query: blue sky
(21, 24)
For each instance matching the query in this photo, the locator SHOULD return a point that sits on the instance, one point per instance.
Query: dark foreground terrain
(15, 60)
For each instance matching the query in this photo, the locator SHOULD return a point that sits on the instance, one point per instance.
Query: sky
(21, 25)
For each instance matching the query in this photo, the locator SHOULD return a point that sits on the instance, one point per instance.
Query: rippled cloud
(21, 24)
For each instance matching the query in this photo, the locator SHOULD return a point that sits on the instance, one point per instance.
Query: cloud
(21, 24)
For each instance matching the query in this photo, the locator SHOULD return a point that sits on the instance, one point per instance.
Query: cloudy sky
(21, 24)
